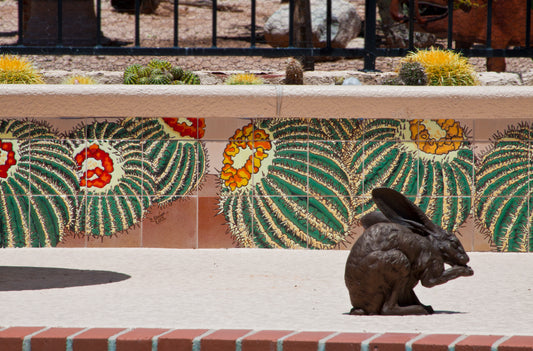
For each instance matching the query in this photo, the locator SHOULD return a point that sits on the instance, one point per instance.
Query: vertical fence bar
(176, 20)
(252, 29)
(328, 24)
(214, 37)
(59, 22)
(291, 23)
(370, 36)
(137, 23)
(21, 22)
(450, 24)
(528, 23)
(98, 22)
(489, 23)
(411, 25)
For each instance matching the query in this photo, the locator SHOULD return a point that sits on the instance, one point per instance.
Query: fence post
(370, 36)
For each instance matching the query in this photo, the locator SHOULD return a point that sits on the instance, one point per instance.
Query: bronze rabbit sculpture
(399, 247)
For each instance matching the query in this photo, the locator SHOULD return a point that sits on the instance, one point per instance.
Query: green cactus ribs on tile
(279, 190)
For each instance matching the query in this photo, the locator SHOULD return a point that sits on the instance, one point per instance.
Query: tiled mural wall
(272, 183)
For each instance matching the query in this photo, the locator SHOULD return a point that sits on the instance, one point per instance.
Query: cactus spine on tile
(414, 157)
(114, 185)
(37, 185)
(279, 190)
(503, 190)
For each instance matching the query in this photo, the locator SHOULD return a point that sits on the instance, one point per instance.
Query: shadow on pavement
(13, 278)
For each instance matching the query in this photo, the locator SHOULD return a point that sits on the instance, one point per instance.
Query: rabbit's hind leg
(398, 274)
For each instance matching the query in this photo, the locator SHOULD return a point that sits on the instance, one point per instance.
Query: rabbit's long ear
(398, 209)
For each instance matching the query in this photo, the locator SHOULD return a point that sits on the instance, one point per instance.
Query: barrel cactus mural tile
(110, 174)
(424, 159)
(30, 167)
(503, 189)
(173, 157)
(279, 169)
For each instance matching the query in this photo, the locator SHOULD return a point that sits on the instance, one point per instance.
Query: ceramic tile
(48, 218)
(490, 129)
(173, 225)
(73, 240)
(111, 215)
(215, 151)
(503, 169)
(449, 174)
(388, 129)
(53, 169)
(281, 170)
(223, 129)
(15, 161)
(173, 167)
(285, 129)
(280, 221)
(60, 127)
(237, 213)
(14, 216)
(391, 164)
(213, 230)
(337, 129)
(328, 174)
(129, 238)
(329, 221)
(505, 220)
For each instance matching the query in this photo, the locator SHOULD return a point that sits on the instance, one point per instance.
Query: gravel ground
(195, 30)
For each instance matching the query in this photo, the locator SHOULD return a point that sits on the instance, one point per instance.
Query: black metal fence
(370, 51)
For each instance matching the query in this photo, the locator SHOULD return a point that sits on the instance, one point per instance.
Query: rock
(495, 78)
(351, 81)
(345, 24)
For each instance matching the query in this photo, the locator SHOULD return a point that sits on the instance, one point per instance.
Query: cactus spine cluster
(16, 70)
(443, 67)
(158, 72)
(294, 73)
(244, 79)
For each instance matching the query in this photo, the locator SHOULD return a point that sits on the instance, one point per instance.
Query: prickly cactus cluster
(158, 72)
(294, 73)
(413, 73)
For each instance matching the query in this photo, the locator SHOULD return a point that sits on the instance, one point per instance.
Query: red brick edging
(155, 339)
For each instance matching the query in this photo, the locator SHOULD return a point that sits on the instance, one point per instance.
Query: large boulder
(345, 24)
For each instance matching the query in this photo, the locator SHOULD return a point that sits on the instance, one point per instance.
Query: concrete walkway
(245, 289)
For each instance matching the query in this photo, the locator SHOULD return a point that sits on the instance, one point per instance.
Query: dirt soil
(195, 30)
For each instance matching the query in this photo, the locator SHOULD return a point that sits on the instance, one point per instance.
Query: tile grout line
(279, 342)
(322, 342)
(26, 342)
(494, 347)
(409, 344)
(238, 342)
(156, 338)
(451, 347)
(197, 341)
(112, 340)
(70, 338)
(366, 343)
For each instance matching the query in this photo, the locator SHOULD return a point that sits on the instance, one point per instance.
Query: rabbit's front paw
(465, 271)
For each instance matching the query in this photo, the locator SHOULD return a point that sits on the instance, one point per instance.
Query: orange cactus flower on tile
(438, 142)
(187, 127)
(256, 141)
(7, 158)
(99, 172)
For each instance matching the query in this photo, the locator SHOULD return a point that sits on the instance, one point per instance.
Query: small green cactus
(243, 79)
(413, 73)
(158, 72)
(17, 70)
